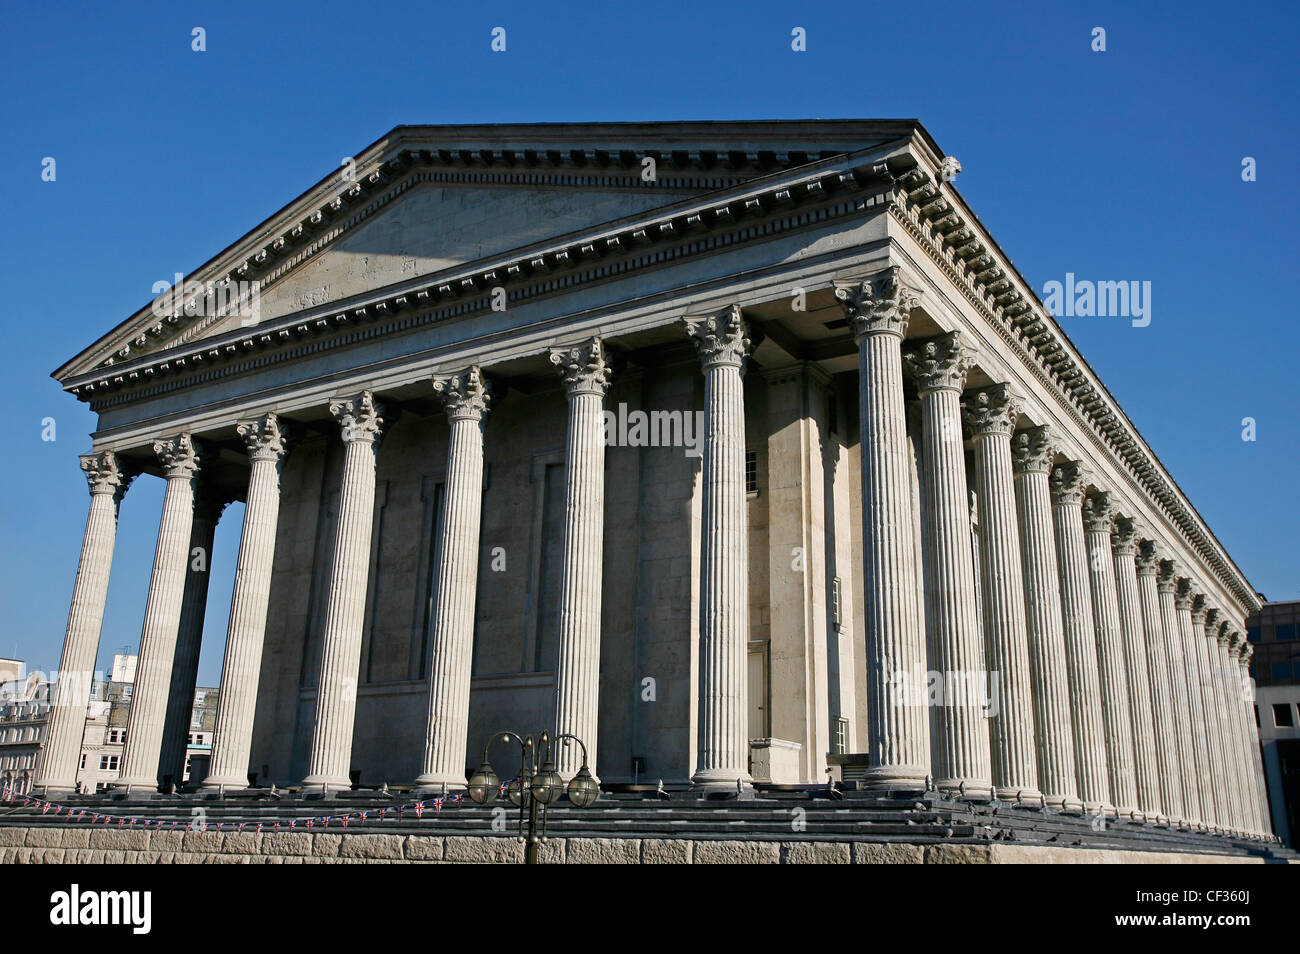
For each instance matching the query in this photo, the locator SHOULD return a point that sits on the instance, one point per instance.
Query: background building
(24, 714)
(1275, 631)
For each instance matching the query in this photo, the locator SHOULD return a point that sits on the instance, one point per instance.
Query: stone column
(1137, 669)
(991, 415)
(961, 736)
(1175, 658)
(1162, 691)
(1217, 787)
(1196, 726)
(466, 397)
(1241, 704)
(180, 459)
(1254, 760)
(722, 759)
(1033, 453)
(1227, 692)
(1112, 661)
(586, 373)
(898, 735)
(1068, 482)
(61, 753)
(189, 636)
(266, 440)
(361, 419)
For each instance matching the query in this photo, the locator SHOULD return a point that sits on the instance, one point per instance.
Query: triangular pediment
(429, 199)
(428, 229)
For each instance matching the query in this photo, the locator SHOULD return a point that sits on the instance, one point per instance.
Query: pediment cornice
(761, 210)
(691, 158)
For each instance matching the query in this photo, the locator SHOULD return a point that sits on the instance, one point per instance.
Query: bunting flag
(324, 821)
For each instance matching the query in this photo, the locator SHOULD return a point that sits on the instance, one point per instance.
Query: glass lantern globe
(547, 785)
(484, 785)
(516, 792)
(583, 790)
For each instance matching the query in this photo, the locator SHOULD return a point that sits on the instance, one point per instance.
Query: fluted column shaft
(991, 415)
(1067, 486)
(722, 753)
(1137, 669)
(1217, 787)
(898, 734)
(1162, 691)
(1111, 657)
(1033, 454)
(1175, 658)
(466, 397)
(57, 771)
(1224, 685)
(1254, 759)
(586, 375)
(232, 741)
(162, 616)
(336, 692)
(960, 746)
(1197, 726)
(189, 638)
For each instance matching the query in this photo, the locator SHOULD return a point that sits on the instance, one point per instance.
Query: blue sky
(1117, 165)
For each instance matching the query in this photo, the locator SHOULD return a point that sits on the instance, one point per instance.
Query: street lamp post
(535, 788)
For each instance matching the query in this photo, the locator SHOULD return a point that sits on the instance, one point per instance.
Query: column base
(1130, 814)
(53, 788)
(436, 783)
(902, 778)
(323, 785)
(976, 788)
(228, 783)
(721, 780)
(1029, 797)
(135, 786)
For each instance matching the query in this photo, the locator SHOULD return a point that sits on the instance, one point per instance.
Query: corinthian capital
(880, 305)
(991, 411)
(722, 339)
(1146, 558)
(105, 474)
(1200, 609)
(1068, 481)
(361, 418)
(583, 368)
(1033, 450)
(465, 396)
(1123, 539)
(1183, 593)
(1098, 513)
(180, 456)
(265, 437)
(1167, 576)
(939, 363)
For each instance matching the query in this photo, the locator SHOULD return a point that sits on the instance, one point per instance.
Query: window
(841, 736)
(836, 611)
(1282, 715)
(1286, 631)
(1252, 633)
(83, 759)
(108, 763)
(1279, 671)
(116, 736)
(751, 472)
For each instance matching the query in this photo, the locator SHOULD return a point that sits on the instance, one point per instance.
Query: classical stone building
(458, 385)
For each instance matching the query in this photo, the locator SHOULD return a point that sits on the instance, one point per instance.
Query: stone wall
(52, 845)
